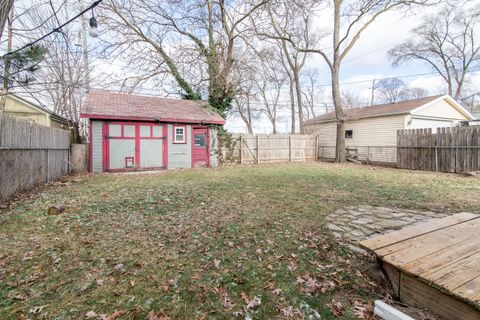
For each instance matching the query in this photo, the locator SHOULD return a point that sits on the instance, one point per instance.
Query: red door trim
(192, 142)
(90, 162)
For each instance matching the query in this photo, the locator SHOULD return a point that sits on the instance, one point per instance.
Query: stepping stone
(357, 233)
(362, 221)
(398, 214)
(334, 227)
(356, 213)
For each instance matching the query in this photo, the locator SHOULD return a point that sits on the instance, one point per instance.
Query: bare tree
(208, 30)
(269, 81)
(351, 100)
(391, 90)
(449, 43)
(292, 18)
(416, 93)
(314, 102)
(242, 106)
(5, 8)
(350, 20)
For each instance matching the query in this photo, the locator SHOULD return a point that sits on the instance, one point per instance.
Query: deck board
(443, 254)
(414, 231)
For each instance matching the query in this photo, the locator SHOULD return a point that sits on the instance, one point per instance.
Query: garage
(133, 132)
(419, 123)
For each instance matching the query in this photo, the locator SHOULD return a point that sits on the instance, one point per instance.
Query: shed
(22, 108)
(135, 132)
(376, 126)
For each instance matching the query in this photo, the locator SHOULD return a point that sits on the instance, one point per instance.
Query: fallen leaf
(37, 310)
(217, 263)
(116, 314)
(336, 307)
(255, 302)
(158, 316)
(287, 312)
(91, 315)
(245, 297)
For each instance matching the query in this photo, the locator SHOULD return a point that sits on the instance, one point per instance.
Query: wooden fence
(455, 149)
(30, 154)
(250, 148)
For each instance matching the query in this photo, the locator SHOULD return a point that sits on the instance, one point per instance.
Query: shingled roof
(101, 104)
(376, 111)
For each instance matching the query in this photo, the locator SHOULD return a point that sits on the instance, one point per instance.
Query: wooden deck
(435, 264)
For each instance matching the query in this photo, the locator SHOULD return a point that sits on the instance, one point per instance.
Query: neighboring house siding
(377, 131)
(440, 109)
(179, 155)
(97, 146)
(213, 147)
(19, 109)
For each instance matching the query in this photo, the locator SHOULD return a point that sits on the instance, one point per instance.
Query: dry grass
(203, 244)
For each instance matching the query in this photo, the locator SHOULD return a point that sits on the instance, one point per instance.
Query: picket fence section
(30, 154)
(263, 148)
(455, 149)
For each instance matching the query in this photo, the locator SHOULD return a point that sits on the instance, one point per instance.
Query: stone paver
(357, 223)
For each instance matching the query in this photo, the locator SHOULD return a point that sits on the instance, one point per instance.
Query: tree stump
(56, 209)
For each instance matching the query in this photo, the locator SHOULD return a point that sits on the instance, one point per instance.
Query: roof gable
(101, 104)
(456, 109)
(403, 107)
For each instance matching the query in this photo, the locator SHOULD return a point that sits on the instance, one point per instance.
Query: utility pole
(86, 68)
(373, 92)
(6, 70)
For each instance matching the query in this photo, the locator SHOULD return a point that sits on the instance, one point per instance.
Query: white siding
(377, 131)
(440, 109)
(97, 150)
(179, 154)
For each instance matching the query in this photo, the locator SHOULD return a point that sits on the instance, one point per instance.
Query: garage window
(348, 134)
(179, 134)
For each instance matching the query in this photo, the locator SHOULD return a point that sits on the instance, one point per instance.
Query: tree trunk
(5, 7)
(292, 106)
(274, 126)
(299, 101)
(340, 156)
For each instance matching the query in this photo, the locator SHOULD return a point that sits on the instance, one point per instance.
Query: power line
(57, 29)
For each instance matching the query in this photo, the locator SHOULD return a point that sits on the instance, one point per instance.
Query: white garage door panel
(427, 123)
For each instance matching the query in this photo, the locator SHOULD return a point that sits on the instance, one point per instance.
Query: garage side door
(151, 146)
(121, 146)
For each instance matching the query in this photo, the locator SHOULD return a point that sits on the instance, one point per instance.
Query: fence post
(241, 150)
(316, 148)
(258, 149)
(436, 159)
(290, 148)
(48, 165)
(368, 155)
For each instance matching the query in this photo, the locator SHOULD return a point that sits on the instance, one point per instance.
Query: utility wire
(57, 29)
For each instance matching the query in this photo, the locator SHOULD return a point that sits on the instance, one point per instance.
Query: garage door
(134, 146)
(429, 124)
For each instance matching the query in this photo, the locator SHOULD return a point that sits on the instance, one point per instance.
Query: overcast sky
(368, 60)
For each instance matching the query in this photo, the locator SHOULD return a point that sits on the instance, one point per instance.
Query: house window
(348, 134)
(179, 135)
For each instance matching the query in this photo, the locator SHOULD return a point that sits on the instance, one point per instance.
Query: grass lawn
(246, 242)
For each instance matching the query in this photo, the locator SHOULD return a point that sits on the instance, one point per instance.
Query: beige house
(22, 108)
(376, 126)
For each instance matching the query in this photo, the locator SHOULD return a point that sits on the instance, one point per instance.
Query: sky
(368, 60)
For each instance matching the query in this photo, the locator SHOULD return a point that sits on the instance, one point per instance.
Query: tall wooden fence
(30, 154)
(250, 148)
(455, 149)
